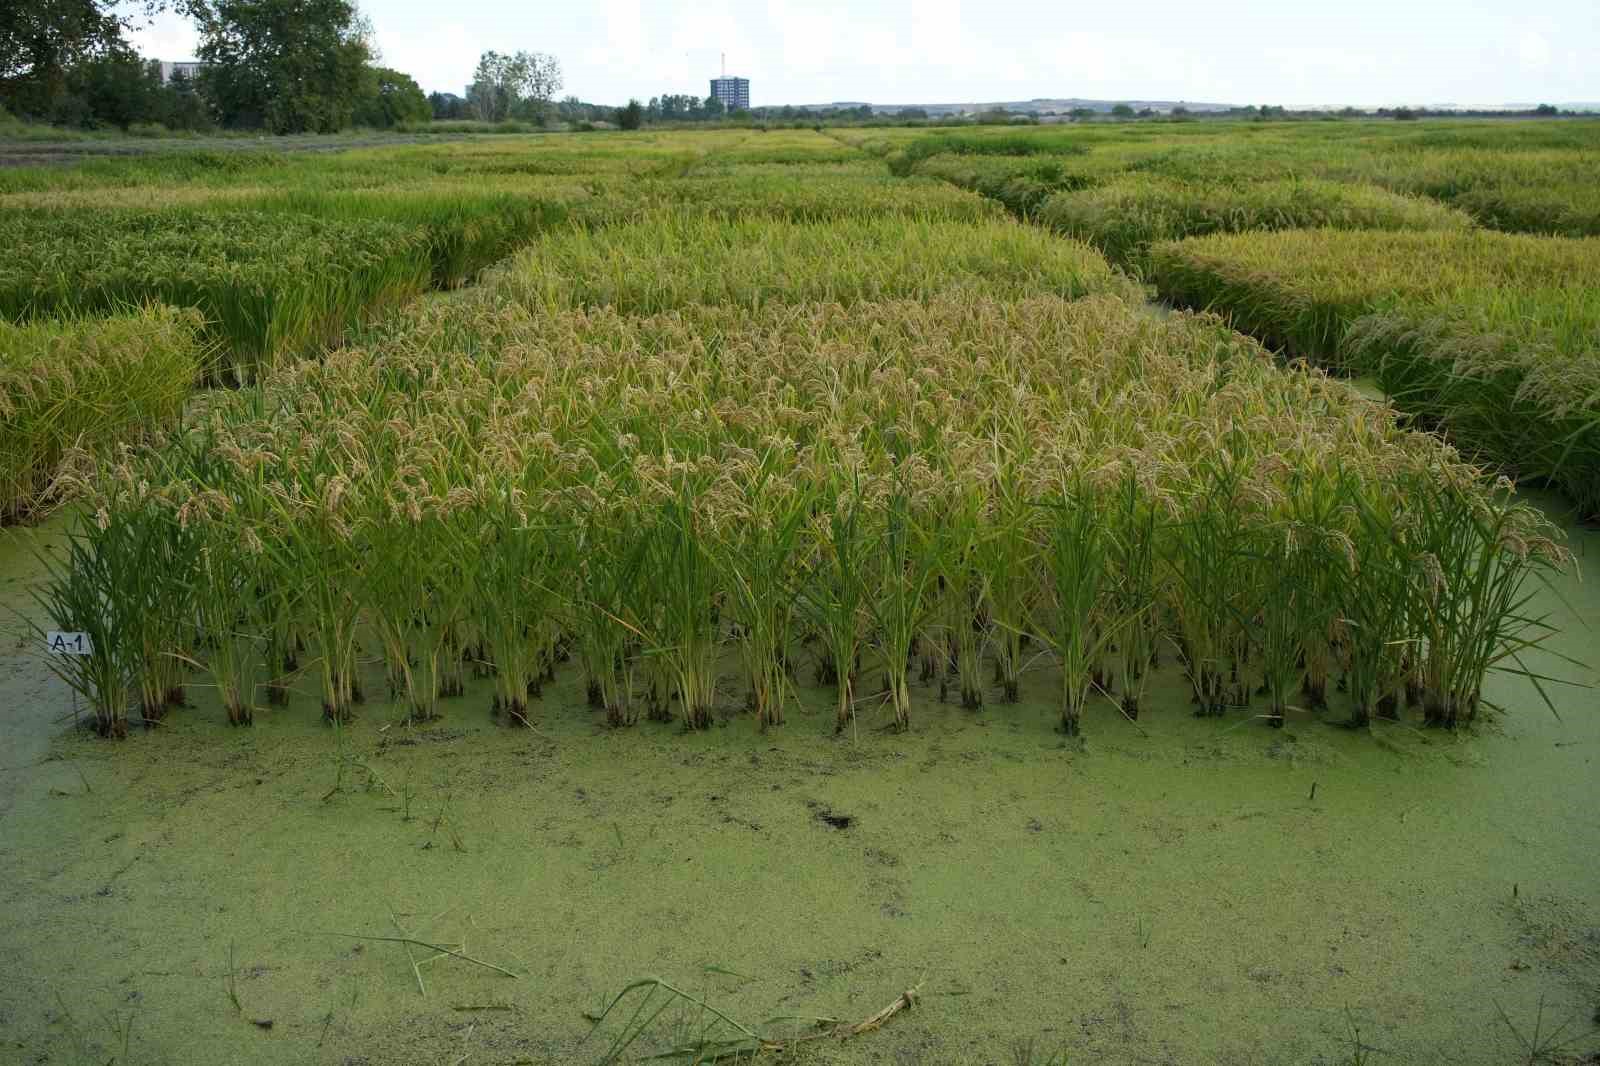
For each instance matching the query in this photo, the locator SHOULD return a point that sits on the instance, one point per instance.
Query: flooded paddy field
(1179, 890)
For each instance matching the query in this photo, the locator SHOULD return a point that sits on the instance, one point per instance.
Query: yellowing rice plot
(902, 485)
(1494, 337)
(85, 385)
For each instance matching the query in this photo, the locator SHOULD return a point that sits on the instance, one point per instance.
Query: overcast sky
(949, 51)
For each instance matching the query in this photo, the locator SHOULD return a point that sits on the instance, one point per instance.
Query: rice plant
(86, 384)
(1124, 217)
(82, 595)
(1489, 336)
(268, 286)
(980, 483)
(666, 262)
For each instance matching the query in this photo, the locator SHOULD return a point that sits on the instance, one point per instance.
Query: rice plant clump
(1492, 337)
(1023, 184)
(810, 197)
(893, 499)
(671, 261)
(87, 384)
(1123, 218)
(270, 286)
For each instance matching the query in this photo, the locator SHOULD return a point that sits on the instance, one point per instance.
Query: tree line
(282, 66)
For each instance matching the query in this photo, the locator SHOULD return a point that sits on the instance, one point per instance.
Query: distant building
(189, 68)
(733, 92)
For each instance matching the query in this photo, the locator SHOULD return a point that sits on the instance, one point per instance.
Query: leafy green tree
(449, 106)
(288, 66)
(632, 116)
(114, 89)
(521, 84)
(40, 40)
(389, 98)
(1123, 111)
(183, 107)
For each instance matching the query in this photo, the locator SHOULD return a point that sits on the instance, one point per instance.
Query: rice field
(1123, 218)
(267, 285)
(679, 259)
(808, 569)
(1516, 177)
(1491, 336)
(85, 385)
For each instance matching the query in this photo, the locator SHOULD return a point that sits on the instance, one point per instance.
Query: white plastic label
(69, 643)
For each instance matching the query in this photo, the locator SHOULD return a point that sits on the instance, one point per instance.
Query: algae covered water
(1174, 890)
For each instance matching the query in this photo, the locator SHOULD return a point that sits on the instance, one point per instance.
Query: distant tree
(183, 107)
(1147, 112)
(541, 80)
(1547, 110)
(998, 116)
(517, 85)
(1081, 113)
(1179, 111)
(389, 98)
(713, 107)
(289, 66)
(491, 91)
(1122, 111)
(116, 89)
(909, 113)
(449, 106)
(632, 116)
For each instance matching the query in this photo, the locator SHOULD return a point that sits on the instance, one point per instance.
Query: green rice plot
(685, 258)
(1125, 216)
(269, 285)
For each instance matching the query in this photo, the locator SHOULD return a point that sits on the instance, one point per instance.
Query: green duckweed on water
(1171, 891)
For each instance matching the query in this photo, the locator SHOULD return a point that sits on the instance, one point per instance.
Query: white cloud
(441, 58)
(1534, 50)
(166, 37)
